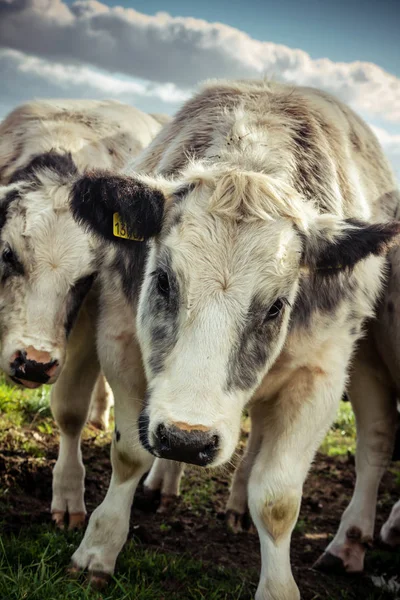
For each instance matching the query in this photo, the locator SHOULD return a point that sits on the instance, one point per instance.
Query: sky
(153, 54)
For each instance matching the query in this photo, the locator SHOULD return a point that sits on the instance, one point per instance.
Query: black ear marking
(352, 245)
(96, 196)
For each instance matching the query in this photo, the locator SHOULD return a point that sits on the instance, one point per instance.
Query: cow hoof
(239, 522)
(98, 580)
(58, 517)
(167, 503)
(77, 520)
(329, 563)
(346, 557)
(98, 424)
(390, 537)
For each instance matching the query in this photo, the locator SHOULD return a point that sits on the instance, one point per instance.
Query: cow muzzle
(182, 442)
(32, 368)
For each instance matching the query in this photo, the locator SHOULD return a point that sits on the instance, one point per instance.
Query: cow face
(220, 285)
(46, 270)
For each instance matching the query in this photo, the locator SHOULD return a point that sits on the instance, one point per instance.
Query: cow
(48, 266)
(390, 532)
(258, 222)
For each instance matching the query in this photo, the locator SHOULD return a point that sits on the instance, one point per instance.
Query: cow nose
(33, 365)
(190, 444)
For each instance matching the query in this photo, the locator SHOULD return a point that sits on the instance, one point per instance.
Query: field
(186, 555)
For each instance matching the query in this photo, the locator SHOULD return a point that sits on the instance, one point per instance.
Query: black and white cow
(48, 265)
(270, 210)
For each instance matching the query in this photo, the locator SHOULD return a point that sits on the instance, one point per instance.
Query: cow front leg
(375, 409)
(390, 532)
(237, 514)
(308, 403)
(164, 479)
(108, 526)
(70, 400)
(100, 405)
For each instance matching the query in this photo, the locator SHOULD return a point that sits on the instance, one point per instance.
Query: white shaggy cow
(48, 264)
(270, 210)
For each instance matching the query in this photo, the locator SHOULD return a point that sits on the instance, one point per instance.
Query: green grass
(24, 406)
(341, 438)
(32, 567)
(32, 564)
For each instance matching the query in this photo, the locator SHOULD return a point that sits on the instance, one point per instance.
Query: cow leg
(101, 402)
(70, 400)
(308, 402)
(108, 526)
(375, 411)
(164, 478)
(390, 532)
(237, 515)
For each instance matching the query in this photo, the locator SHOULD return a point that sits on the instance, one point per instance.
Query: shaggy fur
(276, 259)
(48, 299)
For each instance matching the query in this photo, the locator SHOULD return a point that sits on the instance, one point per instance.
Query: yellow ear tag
(119, 230)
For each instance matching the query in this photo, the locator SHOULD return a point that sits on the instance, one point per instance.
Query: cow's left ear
(118, 208)
(338, 245)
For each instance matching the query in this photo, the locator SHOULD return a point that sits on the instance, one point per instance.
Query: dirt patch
(196, 525)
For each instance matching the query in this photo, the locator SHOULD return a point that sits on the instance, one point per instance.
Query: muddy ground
(196, 525)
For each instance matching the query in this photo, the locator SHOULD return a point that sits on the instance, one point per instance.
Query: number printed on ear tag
(119, 230)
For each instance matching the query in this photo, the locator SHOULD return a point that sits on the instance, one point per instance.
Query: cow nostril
(211, 446)
(162, 434)
(214, 441)
(18, 359)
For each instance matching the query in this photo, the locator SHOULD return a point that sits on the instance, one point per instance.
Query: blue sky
(101, 48)
(342, 30)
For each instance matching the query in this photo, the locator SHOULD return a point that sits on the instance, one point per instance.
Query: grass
(32, 563)
(341, 438)
(32, 567)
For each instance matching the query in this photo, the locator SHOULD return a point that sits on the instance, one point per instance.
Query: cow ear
(118, 208)
(339, 245)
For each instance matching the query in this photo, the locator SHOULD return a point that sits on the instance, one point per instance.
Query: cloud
(182, 50)
(391, 146)
(30, 77)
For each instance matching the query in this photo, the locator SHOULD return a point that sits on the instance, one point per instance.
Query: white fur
(55, 252)
(237, 241)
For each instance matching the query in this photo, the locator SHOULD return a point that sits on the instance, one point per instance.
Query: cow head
(46, 269)
(220, 285)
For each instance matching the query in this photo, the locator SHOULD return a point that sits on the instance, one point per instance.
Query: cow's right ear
(118, 208)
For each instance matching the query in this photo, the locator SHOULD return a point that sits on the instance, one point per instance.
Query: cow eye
(274, 310)
(163, 283)
(8, 255)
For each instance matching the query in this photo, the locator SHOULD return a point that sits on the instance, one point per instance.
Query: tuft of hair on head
(252, 196)
(98, 195)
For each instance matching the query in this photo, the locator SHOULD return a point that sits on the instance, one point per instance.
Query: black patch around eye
(275, 310)
(160, 317)
(11, 264)
(76, 296)
(163, 283)
(255, 342)
(8, 255)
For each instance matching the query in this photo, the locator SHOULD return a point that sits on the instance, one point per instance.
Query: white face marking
(53, 253)
(207, 347)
